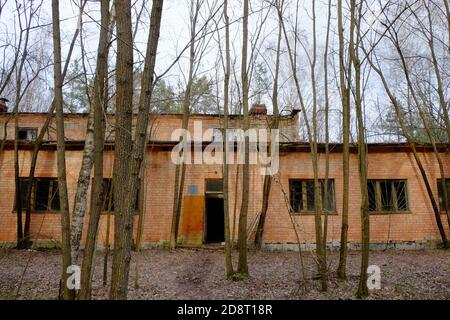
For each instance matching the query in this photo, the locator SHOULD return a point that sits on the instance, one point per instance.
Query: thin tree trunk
(61, 161)
(242, 237)
(345, 96)
(80, 200)
(327, 134)
(229, 270)
(20, 237)
(311, 132)
(22, 241)
(180, 169)
(108, 231)
(274, 125)
(317, 188)
(447, 12)
(362, 153)
(99, 136)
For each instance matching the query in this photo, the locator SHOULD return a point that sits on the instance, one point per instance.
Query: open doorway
(214, 224)
(214, 219)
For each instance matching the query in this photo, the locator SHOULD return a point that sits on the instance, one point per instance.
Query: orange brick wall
(417, 225)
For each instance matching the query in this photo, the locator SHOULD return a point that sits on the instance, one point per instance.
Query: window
(442, 194)
(44, 194)
(108, 196)
(27, 134)
(302, 195)
(388, 195)
(214, 186)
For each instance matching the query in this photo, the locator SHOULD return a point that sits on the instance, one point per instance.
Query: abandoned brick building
(401, 213)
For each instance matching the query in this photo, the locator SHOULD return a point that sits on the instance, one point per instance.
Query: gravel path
(199, 274)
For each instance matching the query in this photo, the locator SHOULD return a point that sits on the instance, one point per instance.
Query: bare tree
(410, 141)
(84, 176)
(344, 81)
(226, 94)
(355, 17)
(66, 293)
(99, 136)
(242, 232)
(123, 223)
(311, 130)
(127, 168)
(273, 125)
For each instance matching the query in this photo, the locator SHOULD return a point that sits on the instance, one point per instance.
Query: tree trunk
(362, 154)
(99, 136)
(345, 96)
(242, 236)
(123, 226)
(80, 200)
(320, 250)
(327, 134)
(274, 125)
(180, 169)
(128, 168)
(61, 161)
(226, 91)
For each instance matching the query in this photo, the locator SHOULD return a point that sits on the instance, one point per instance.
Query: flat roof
(285, 147)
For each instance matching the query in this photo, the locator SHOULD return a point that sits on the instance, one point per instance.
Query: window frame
(27, 129)
(441, 199)
(305, 196)
(50, 195)
(379, 211)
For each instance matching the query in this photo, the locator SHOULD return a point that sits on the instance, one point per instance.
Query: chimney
(258, 109)
(3, 107)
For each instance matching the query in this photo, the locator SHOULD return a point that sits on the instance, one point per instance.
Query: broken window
(44, 194)
(442, 194)
(387, 195)
(107, 196)
(27, 134)
(302, 195)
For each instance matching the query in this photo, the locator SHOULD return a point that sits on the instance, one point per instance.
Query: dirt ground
(199, 274)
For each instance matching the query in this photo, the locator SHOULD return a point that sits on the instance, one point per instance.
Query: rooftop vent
(258, 109)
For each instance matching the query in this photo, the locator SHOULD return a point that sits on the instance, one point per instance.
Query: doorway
(214, 220)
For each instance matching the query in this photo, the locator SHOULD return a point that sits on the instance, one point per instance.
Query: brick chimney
(3, 107)
(258, 109)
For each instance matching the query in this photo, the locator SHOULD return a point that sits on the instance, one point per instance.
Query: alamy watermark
(263, 147)
(373, 277)
(74, 278)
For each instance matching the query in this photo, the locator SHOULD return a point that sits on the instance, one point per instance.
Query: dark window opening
(44, 194)
(441, 193)
(387, 195)
(302, 195)
(28, 134)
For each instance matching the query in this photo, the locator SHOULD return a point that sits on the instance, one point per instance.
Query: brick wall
(416, 225)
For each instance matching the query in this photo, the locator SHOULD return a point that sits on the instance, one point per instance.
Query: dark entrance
(214, 224)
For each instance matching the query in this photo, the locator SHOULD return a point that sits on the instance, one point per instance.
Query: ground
(199, 274)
